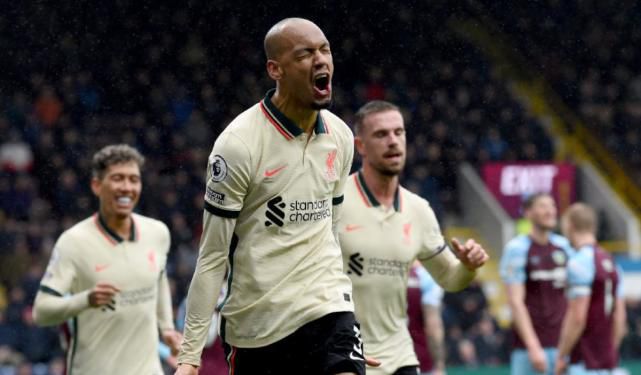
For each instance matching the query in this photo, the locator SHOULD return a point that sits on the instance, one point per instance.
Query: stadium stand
(167, 79)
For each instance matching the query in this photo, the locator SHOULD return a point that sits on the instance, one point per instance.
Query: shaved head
(277, 39)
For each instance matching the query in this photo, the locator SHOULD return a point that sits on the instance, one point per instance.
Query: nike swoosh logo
(353, 357)
(352, 227)
(101, 267)
(274, 172)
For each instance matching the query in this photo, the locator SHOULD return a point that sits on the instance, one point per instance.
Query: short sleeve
(432, 241)
(431, 293)
(347, 153)
(228, 176)
(581, 272)
(60, 273)
(513, 262)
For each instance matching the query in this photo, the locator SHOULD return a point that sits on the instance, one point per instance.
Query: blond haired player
(595, 320)
(106, 278)
(274, 186)
(384, 228)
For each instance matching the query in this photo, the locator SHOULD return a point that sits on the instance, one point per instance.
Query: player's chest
(125, 264)
(378, 245)
(298, 165)
(547, 264)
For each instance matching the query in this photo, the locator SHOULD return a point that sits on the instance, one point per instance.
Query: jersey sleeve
(513, 261)
(347, 153)
(61, 271)
(432, 241)
(228, 176)
(581, 272)
(431, 293)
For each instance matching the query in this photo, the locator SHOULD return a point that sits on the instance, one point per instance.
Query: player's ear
(96, 185)
(273, 70)
(360, 147)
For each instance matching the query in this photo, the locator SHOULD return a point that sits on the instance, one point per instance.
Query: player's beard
(388, 171)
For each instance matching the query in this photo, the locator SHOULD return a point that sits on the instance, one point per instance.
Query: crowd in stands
(588, 51)
(167, 79)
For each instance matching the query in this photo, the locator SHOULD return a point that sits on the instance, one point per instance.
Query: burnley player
(533, 268)
(424, 299)
(594, 323)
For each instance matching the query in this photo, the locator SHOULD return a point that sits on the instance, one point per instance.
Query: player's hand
(102, 294)
(372, 362)
(173, 339)
(172, 362)
(186, 369)
(472, 255)
(561, 366)
(537, 359)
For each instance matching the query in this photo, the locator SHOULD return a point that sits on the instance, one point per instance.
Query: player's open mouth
(322, 85)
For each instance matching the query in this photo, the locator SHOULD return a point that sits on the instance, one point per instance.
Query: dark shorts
(326, 346)
(407, 370)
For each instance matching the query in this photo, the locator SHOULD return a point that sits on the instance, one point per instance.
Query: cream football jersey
(282, 185)
(121, 337)
(379, 246)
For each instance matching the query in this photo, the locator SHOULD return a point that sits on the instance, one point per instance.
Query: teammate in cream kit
(106, 278)
(275, 183)
(383, 229)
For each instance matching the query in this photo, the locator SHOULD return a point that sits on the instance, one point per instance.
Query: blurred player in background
(106, 277)
(424, 298)
(533, 268)
(595, 320)
(383, 230)
(274, 187)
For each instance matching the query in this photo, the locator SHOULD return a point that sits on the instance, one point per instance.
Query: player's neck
(583, 239)
(382, 186)
(118, 225)
(305, 118)
(539, 235)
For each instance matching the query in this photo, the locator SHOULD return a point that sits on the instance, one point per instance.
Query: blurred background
(500, 100)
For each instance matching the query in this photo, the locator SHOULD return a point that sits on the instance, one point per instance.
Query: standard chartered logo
(275, 213)
(279, 212)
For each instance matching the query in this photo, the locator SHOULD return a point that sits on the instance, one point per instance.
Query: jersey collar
(369, 198)
(284, 125)
(112, 236)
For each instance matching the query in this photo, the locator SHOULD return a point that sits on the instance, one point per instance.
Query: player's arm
(205, 286)
(581, 271)
(455, 272)
(54, 301)
(572, 328)
(620, 316)
(512, 269)
(434, 332)
(228, 176)
(431, 295)
(521, 317)
(347, 155)
(52, 308)
(164, 311)
(452, 272)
